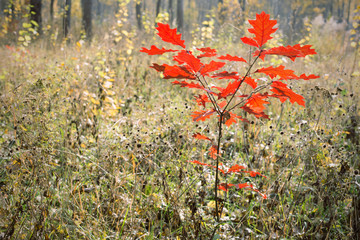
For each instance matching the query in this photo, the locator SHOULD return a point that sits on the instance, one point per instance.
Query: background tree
(67, 17)
(158, 5)
(180, 15)
(171, 11)
(35, 13)
(138, 14)
(52, 10)
(87, 17)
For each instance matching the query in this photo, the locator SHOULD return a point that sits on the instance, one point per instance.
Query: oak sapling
(224, 101)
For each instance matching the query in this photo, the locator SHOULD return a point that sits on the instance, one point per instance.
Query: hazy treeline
(89, 17)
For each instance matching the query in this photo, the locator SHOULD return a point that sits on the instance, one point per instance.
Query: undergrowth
(95, 145)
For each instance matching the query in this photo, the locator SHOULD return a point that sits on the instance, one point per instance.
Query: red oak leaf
(226, 75)
(256, 102)
(208, 165)
(188, 85)
(249, 41)
(156, 51)
(212, 66)
(233, 118)
(192, 63)
(282, 92)
(291, 52)
(222, 104)
(207, 52)
(305, 50)
(230, 89)
(278, 71)
(213, 153)
(225, 186)
(311, 76)
(288, 51)
(262, 29)
(232, 58)
(256, 114)
(170, 35)
(250, 187)
(235, 168)
(202, 115)
(176, 72)
(157, 67)
(202, 99)
(201, 137)
(251, 82)
(254, 174)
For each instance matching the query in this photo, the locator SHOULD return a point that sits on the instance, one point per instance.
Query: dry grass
(94, 145)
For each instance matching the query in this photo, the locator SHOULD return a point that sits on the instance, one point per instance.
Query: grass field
(94, 145)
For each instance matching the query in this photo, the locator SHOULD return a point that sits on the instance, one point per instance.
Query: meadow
(94, 144)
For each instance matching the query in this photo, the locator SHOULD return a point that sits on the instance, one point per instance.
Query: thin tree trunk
(348, 14)
(67, 17)
(180, 15)
(52, 10)
(158, 4)
(171, 11)
(87, 17)
(341, 11)
(35, 13)
(138, 15)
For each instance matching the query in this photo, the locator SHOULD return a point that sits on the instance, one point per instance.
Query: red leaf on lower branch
(213, 153)
(226, 75)
(207, 52)
(254, 174)
(256, 114)
(188, 85)
(192, 63)
(235, 168)
(201, 137)
(278, 71)
(283, 92)
(211, 67)
(175, 72)
(202, 115)
(202, 99)
(208, 165)
(226, 186)
(232, 58)
(156, 51)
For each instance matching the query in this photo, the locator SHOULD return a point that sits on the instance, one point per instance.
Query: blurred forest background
(59, 19)
(95, 145)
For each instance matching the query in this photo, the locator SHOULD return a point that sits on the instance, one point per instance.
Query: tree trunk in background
(87, 17)
(67, 17)
(341, 11)
(348, 14)
(52, 10)
(242, 4)
(138, 14)
(331, 7)
(35, 13)
(4, 4)
(180, 15)
(171, 11)
(158, 4)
